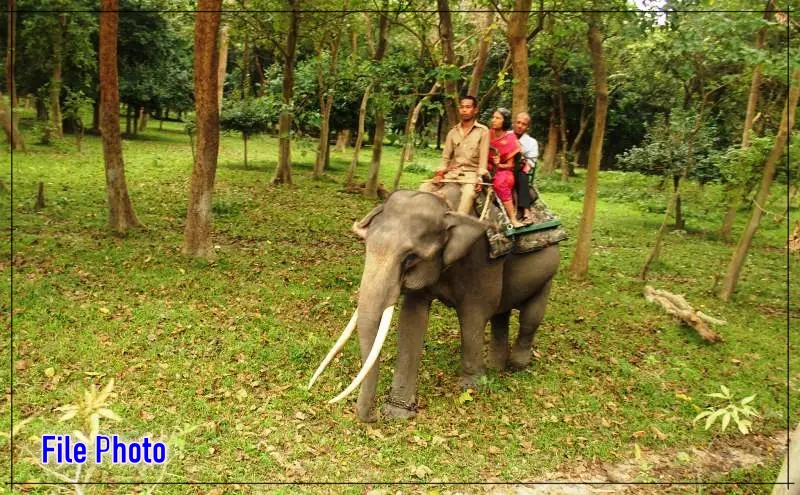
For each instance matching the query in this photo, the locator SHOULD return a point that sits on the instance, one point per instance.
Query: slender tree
(518, 44)
(197, 234)
(371, 189)
(482, 54)
(784, 130)
(56, 76)
(11, 46)
(223, 64)
(732, 191)
(580, 260)
(448, 59)
(121, 216)
(283, 172)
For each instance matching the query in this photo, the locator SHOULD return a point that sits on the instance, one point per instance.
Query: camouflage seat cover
(500, 244)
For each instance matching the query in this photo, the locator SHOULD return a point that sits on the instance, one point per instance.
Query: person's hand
(438, 176)
(496, 160)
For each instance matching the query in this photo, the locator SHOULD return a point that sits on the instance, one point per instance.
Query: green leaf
(747, 400)
(713, 417)
(701, 416)
(725, 391)
(744, 426)
(465, 397)
(726, 419)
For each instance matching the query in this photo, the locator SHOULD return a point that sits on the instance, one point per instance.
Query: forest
(179, 181)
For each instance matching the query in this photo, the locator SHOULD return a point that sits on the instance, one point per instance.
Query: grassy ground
(214, 357)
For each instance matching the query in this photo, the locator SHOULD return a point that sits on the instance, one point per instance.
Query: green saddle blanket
(545, 230)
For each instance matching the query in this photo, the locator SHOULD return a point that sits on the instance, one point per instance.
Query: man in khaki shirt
(465, 154)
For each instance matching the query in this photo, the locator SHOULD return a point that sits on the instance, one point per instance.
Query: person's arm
(447, 155)
(483, 157)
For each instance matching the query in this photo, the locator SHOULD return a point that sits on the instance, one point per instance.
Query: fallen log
(676, 305)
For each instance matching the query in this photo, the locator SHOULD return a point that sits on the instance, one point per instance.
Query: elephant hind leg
(530, 316)
(498, 349)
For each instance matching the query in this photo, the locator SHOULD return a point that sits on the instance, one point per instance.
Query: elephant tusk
(372, 358)
(348, 330)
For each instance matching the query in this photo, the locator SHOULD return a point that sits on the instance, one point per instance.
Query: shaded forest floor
(214, 357)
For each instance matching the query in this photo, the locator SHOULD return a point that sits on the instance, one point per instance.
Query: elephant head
(410, 240)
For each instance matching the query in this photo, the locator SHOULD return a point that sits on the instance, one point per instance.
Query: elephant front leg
(498, 349)
(473, 323)
(412, 326)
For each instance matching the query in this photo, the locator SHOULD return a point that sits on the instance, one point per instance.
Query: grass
(220, 352)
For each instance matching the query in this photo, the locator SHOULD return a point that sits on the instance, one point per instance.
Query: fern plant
(736, 411)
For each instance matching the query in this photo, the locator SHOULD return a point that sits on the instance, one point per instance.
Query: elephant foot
(519, 360)
(497, 359)
(470, 381)
(395, 412)
(366, 414)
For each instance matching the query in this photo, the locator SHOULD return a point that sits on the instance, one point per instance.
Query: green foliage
(668, 148)
(252, 116)
(733, 410)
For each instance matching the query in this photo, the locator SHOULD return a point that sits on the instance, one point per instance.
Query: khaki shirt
(467, 152)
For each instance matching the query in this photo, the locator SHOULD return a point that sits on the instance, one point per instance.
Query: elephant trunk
(380, 288)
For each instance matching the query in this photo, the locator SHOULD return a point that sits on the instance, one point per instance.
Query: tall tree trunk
(732, 191)
(342, 140)
(518, 43)
(448, 59)
(223, 65)
(549, 155)
(583, 123)
(143, 117)
(10, 127)
(740, 253)
(562, 125)
(411, 125)
(283, 172)
(121, 216)
(11, 53)
(55, 78)
(326, 105)
(371, 190)
(362, 116)
(246, 67)
(580, 261)
(197, 234)
(482, 55)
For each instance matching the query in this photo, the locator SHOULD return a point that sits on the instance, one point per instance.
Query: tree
(11, 52)
(121, 216)
(517, 42)
(197, 234)
(371, 189)
(747, 127)
(248, 117)
(784, 130)
(449, 61)
(283, 172)
(580, 261)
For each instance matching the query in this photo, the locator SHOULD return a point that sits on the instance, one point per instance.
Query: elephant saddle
(545, 230)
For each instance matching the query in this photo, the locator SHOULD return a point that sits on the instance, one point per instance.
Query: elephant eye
(411, 260)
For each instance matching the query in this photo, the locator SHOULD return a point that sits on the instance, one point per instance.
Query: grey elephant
(418, 246)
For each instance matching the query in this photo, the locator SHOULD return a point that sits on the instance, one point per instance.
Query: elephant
(418, 246)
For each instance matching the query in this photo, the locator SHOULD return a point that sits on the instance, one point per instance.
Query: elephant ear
(462, 232)
(360, 228)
